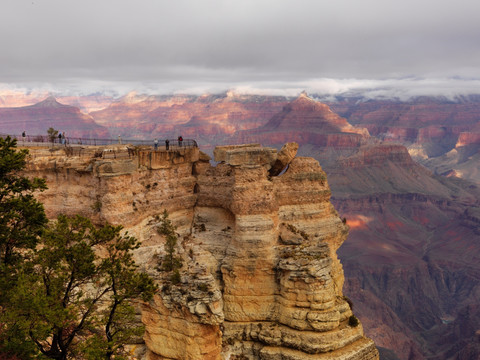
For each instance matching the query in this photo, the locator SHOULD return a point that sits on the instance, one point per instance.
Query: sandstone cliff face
(260, 276)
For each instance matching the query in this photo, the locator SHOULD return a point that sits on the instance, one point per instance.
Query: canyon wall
(260, 277)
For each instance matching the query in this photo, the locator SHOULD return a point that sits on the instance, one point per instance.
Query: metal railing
(45, 140)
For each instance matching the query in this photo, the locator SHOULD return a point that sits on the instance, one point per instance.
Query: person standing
(23, 136)
(180, 140)
(155, 144)
(167, 144)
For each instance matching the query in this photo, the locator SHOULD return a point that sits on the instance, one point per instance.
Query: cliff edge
(258, 236)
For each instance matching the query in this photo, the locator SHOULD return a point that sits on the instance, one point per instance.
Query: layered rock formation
(260, 276)
(440, 133)
(306, 121)
(409, 229)
(207, 118)
(414, 235)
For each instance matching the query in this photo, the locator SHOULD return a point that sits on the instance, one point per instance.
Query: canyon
(260, 277)
(442, 134)
(403, 174)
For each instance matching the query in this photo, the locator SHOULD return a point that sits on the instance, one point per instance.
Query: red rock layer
(198, 117)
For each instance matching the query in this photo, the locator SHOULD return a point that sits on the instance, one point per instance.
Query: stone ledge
(249, 154)
(362, 349)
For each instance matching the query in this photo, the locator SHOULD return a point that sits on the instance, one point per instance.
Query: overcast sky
(268, 45)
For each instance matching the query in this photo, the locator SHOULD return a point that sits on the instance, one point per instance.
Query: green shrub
(353, 321)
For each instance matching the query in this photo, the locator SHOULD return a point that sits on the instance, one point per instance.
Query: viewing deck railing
(45, 140)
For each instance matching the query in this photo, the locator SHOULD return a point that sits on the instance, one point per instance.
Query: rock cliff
(260, 277)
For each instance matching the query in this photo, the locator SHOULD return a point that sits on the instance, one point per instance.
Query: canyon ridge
(412, 256)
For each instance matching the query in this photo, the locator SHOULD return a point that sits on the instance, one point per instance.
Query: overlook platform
(100, 148)
(45, 140)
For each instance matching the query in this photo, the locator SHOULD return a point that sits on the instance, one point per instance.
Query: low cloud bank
(323, 88)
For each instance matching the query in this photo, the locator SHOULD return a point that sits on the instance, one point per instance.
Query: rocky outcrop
(260, 276)
(285, 156)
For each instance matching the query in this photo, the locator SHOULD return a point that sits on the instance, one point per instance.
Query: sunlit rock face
(260, 277)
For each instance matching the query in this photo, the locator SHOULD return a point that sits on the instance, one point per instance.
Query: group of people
(167, 143)
(61, 138)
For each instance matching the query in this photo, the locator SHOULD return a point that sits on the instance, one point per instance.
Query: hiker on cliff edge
(167, 144)
(155, 144)
(180, 139)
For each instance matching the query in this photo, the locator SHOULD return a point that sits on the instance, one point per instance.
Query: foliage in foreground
(22, 217)
(68, 301)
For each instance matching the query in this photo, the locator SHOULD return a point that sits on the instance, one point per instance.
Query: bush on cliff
(353, 321)
(171, 262)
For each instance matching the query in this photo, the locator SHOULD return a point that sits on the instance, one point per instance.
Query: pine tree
(52, 134)
(71, 303)
(171, 262)
(22, 217)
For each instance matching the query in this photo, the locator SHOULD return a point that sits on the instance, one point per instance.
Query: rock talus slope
(260, 277)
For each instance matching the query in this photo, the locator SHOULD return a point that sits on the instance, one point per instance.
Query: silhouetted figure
(167, 144)
(23, 136)
(59, 138)
(180, 139)
(155, 144)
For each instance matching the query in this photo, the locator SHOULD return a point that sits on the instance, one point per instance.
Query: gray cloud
(197, 44)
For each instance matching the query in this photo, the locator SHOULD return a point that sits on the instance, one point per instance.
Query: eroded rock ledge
(260, 276)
